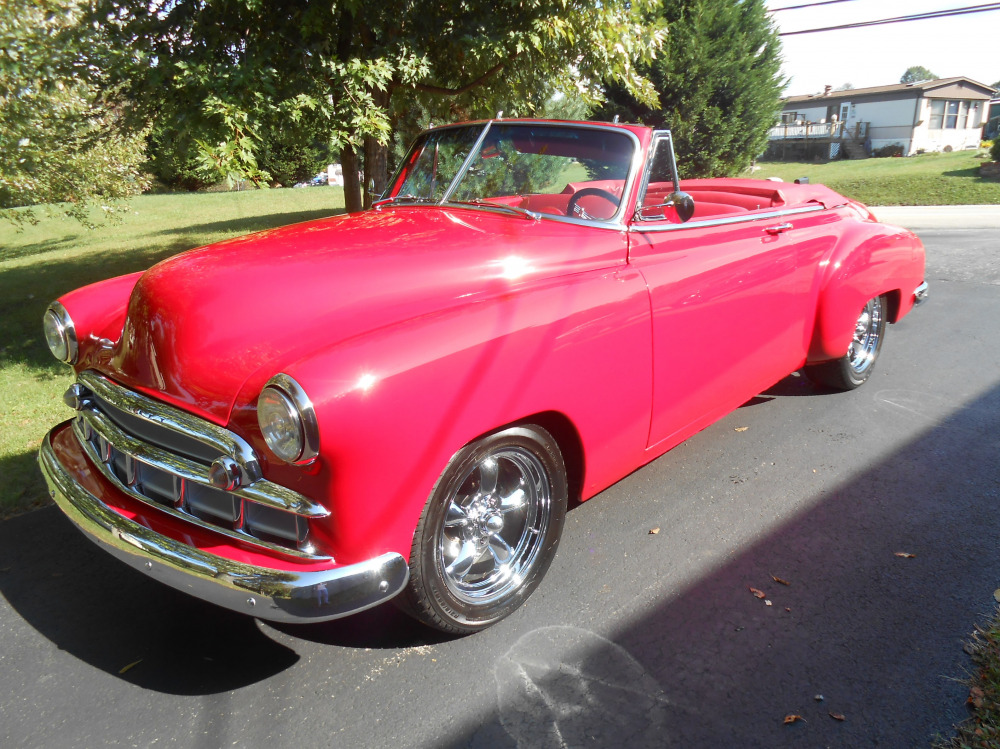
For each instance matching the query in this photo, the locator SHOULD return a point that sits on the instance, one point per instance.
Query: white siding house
(941, 115)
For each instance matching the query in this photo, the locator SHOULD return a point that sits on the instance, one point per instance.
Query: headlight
(60, 334)
(287, 420)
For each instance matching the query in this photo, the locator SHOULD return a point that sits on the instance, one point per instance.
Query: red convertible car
(306, 422)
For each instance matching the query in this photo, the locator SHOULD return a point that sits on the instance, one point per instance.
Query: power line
(901, 19)
(808, 5)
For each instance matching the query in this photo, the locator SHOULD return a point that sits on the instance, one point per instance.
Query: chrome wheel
(494, 525)
(867, 336)
(489, 530)
(855, 367)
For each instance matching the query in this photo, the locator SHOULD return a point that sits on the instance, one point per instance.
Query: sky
(967, 45)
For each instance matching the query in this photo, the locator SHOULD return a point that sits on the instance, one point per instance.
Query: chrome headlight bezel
(60, 333)
(283, 406)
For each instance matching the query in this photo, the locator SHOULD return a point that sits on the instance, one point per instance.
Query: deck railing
(824, 130)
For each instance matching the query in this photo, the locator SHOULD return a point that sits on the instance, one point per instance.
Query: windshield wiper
(500, 207)
(408, 198)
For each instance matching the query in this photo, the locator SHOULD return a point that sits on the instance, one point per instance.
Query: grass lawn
(982, 730)
(47, 260)
(929, 179)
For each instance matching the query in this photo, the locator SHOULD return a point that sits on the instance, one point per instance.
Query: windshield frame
(616, 221)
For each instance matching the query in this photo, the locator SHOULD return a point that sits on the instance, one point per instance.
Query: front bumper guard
(276, 595)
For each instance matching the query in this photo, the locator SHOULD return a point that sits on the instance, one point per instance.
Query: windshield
(558, 170)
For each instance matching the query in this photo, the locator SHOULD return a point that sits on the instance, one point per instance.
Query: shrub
(995, 150)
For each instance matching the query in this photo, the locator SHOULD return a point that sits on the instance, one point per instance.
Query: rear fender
(869, 260)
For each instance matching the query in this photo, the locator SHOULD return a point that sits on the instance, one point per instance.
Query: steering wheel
(572, 206)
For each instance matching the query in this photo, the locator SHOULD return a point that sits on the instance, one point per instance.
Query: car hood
(203, 323)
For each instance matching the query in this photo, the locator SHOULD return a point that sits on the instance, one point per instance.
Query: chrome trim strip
(749, 217)
(304, 406)
(234, 533)
(920, 293)
(151, 410)
(473, 153)
(276, 595)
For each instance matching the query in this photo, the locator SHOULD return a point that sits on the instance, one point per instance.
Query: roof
(921, 87)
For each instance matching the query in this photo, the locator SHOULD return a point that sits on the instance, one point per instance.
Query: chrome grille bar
(162, 456)
(133, 491)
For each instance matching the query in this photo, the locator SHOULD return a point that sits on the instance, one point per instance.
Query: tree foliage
(227, 72)
(60, 125)
(719, 84)
(917, 73)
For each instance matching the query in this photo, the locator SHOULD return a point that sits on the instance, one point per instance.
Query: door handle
(777, 228)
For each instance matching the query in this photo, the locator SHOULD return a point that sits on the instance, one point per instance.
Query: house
(946, 114)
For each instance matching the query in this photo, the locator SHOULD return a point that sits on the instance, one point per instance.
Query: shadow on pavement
(714, 666)
(109, 616)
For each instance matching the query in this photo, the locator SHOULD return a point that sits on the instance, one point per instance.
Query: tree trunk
(376, 157)
(352, 185)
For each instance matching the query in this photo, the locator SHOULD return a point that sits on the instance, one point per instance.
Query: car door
(732, 298)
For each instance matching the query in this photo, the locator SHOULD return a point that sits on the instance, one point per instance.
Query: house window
(937, 114)
(953, 115)
(788, 118)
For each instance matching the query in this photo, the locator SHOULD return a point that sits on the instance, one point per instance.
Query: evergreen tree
(719, 84)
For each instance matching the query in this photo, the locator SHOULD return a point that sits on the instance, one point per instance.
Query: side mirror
(681, 202)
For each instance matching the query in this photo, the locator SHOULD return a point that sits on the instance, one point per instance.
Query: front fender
(98, 312)
(394, 405)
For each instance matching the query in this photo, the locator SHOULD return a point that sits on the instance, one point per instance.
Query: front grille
(162, 455)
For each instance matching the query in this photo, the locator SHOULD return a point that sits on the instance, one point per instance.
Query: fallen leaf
(976, 697)
(818, 698)
(133, 664)
(787, 609)
(767, 602)
(741, 429)
(779, 580)
(793, 718)
(837, 716)
(996, 595)
(757, 593)
(653, 531)
(905, 555)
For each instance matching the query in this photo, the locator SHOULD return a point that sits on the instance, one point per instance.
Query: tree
(917, 73)
(60, 124)
(232, 70)
(719, 84)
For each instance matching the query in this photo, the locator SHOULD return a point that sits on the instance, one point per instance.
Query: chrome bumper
(920, 294)
(277, 595)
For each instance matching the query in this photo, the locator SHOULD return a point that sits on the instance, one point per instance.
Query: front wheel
(489, 530)
(852, 369)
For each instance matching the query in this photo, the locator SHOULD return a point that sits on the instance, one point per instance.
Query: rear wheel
(855, 367)
(489, 530)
